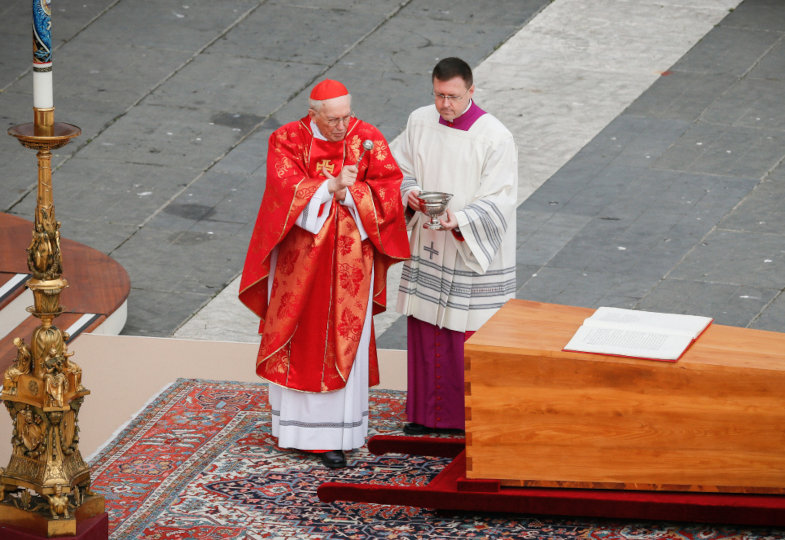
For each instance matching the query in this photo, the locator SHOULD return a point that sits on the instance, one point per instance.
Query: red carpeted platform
(451, 490)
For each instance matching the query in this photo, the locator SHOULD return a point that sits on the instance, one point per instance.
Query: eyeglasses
(449, 98)
(333, 121)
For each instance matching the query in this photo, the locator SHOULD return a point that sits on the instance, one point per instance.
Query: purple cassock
(435, 395)
(435, 375)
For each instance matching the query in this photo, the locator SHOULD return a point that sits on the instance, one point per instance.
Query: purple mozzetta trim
(466, 120)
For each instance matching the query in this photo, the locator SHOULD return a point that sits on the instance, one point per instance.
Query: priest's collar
(466, 120)
(316, 133)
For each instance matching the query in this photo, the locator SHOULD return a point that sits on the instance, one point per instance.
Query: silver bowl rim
(444, 194)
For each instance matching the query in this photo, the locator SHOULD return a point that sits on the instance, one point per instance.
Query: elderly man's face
(333, 117)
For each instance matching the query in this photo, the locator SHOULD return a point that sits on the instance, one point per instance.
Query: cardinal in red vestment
(330, 225)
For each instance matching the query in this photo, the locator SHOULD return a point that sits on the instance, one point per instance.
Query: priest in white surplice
(456, 278)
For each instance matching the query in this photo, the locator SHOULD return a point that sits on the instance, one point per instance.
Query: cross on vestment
(431, 250)
(326, 165)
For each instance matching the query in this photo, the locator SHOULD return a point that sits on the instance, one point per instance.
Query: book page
(674, 323)
(625, 342)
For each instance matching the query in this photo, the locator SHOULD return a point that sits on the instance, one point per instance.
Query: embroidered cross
(326, 165)
(431, 250)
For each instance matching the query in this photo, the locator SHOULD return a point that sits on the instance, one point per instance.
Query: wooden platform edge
(98, 287)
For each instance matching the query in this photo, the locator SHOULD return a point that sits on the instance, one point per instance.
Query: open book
(639, 334)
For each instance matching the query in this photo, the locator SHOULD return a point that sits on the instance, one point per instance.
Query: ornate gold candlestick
(45, 489)
(46, 486)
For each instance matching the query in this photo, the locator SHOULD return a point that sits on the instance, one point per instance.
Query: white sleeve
(402, 152)
(310, 218)
(485, 219)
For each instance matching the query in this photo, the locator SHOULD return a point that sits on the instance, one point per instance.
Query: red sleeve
(378, 199)
(287, 192)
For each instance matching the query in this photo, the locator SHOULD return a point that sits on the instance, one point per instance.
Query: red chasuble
(312, 323)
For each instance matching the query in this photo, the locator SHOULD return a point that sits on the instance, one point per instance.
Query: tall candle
(42, 55)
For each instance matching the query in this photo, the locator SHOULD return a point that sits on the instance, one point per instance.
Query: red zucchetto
(328, 89)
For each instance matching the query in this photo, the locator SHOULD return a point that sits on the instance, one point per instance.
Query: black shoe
(415, 429)
(333, 459)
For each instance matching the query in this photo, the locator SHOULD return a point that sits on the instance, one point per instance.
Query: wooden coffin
(537, 416)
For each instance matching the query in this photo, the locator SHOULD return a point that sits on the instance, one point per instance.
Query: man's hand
(452, 221)
(413, 201)
(338, 184)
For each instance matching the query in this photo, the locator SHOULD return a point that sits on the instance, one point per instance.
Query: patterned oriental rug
(199, 462)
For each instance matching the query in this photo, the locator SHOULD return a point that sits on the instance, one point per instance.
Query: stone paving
(678, 204)
(176, 100)
(670, 201)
